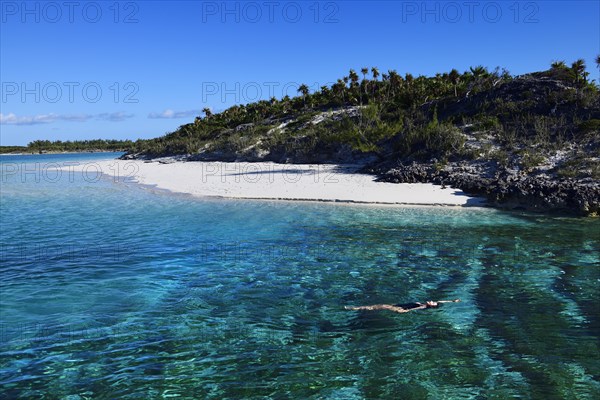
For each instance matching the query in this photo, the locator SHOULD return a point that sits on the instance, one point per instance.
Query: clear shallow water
(113, 291)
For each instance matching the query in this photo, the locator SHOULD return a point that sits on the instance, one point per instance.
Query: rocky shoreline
(504, 188)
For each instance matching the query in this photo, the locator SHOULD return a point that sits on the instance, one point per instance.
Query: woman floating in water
(403, 308)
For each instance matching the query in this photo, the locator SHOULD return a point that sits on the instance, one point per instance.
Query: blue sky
(129, 70)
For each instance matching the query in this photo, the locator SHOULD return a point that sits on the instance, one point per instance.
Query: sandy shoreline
(265, 180)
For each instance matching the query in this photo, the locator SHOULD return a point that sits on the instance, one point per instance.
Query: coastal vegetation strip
(478, 114)
(58, 146)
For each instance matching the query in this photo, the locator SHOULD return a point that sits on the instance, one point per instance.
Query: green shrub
(488, 122)
(431, 141)
(567, 172)
(445, 139)
(591, 125)
(531, 160)
(501, 156)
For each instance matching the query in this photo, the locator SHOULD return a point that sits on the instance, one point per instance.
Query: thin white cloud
(114, 117)
(75, 118)
(8, 118)
(13, 119)
(170, 114)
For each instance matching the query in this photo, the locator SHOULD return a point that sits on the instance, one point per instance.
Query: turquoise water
(112, 291)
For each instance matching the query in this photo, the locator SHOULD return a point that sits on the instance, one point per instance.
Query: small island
(528, 142)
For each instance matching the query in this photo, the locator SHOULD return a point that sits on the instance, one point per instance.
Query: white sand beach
(265, 180)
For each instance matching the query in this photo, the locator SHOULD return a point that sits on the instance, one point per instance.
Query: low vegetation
(520, 121)
(46, 146)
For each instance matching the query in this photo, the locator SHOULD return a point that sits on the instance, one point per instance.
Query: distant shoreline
(60, 152)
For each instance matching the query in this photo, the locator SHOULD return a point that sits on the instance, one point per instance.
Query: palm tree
(598, 61)
(364, 83)
(375, 72)
(395, 81)
(285, 104)
(364, 71)
(479, 74)
(353, 81)
(454, 77)
(353, 77)
(325, 93)
(560, 71)
(207, 112)
(578, 69)
(304, 90)
(585, 75)
(478, 71)
(339, 88)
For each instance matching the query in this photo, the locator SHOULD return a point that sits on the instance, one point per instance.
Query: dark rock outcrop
(502, 187)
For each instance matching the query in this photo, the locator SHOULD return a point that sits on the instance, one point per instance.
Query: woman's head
(432, 304)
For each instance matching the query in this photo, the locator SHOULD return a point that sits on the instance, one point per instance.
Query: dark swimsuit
(410, 306)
